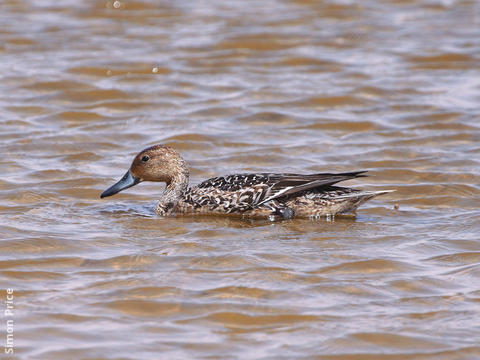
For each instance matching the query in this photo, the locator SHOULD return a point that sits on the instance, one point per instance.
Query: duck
(256, 195)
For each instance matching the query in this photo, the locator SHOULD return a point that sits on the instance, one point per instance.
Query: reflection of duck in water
(250, 195)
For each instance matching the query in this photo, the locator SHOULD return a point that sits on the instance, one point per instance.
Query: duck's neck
(176, 188)
(174, 191)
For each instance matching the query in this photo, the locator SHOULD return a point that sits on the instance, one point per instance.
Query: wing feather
(287, 184)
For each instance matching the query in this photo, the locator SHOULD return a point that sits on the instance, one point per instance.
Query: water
(296, 86)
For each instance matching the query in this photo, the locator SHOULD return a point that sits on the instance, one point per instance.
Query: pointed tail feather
(354, 200)
(367, 194)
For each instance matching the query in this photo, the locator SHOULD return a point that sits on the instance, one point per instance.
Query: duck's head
(157, 163)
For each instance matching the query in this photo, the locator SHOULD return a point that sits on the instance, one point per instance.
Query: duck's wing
(287, 184)
(257, 189)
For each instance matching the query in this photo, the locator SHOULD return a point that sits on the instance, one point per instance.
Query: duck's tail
(350, 202)
(364, 194)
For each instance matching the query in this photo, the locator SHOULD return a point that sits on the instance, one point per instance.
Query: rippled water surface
(296, 86)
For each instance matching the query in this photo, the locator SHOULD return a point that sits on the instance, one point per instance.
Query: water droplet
(117, 4)
(155, 70)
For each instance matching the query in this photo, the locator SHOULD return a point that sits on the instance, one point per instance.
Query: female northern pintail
(253, 195)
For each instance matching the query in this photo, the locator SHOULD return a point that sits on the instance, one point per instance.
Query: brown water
(300, 86)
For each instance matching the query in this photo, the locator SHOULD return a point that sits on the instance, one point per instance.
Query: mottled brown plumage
(251, 195)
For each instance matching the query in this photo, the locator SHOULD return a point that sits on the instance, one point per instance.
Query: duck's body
(264, 195)
(250, 195)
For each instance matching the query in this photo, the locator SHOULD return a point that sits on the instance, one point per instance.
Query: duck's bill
(128, 180)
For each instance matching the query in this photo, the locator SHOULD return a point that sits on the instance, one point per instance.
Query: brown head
(156, 163)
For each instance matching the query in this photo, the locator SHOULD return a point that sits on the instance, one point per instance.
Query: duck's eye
(145, 158)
